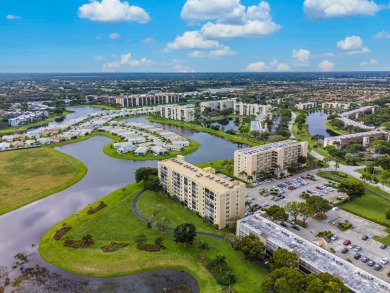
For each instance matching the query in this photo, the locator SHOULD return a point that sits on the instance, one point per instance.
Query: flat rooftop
(353, 277)
(359, 134)
(267, 147)
(215, 183)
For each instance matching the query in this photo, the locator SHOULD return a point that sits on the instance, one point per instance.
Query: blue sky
(194, 35)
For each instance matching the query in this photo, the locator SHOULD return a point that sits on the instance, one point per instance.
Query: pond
(22, 229)
(316, 121)
(228, 124)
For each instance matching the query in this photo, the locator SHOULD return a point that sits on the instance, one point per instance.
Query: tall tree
(144, 173)
(283, 258)
(353, 188)
(320, 205)
(153, 184)
(276, 213)
(252, 247)
(293, 208)
(185, 233)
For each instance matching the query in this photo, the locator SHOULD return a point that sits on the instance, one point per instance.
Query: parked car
(334, 237)
(291, 222)
(296, 227)
(340, 198)
(357, 256)
(358, 248)
(347, 242)
(365, 237)
(283, 224)
(371, 263)
(384, 261)
(345, 250)
(377, 267)
(383, 246)
(265, 205)
(364, 259)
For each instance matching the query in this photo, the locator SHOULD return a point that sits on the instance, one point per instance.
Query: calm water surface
(22, 229)
(316, 121)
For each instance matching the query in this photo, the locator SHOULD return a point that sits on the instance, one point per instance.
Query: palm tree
(336, 165)
(220, 261)
(249, 177)
(243, 173)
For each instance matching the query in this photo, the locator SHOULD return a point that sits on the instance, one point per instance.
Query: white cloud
(147, 41)
(114, 36)
(382, 35)
(323, 9)
(192, 40)
(326, 66)
(126, 60)
(112, 11)
(261, 66)
(369, 62)
(352, 45)
(12, 17)
(230, 18)
(223, 51)
(257, 67)
(301, 57)
(200, 10)
(183, 68)
(253, 28)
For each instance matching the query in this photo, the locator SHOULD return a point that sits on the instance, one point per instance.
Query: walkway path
(291, 123)
(142, 217)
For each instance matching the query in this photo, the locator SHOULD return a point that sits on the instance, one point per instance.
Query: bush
(388, 214)
(61, 232)
(99, 207)
(344, 226)
(113, 246)
(325, 234)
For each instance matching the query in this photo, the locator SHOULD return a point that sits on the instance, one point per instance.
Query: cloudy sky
(194, 35)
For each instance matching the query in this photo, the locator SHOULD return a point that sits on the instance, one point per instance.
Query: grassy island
(231, 137)
(31, 174)
(117, 223)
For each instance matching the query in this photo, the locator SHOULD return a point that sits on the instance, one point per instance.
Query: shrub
(61, 232)
(344, 226)
(98, 208)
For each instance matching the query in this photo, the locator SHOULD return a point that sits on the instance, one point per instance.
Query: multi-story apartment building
(144, 100)
(364, 138)
(260, 124)
(336, 105)
(181, 113)
(269, 157)
(27, 118)
(312, 258)
(218, 105)
(305, 106)
(251, 109)
(218, 200)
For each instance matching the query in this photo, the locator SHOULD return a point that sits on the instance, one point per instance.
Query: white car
(334, 237)
(384, 261)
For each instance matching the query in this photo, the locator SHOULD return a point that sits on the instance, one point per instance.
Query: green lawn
(110, 151)
(335, 129)
(231, 137)
(31, 174)
(10, 129)
(369, 206)
(117, 222)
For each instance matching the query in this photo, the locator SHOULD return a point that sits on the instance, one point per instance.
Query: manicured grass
(368, 206)
(8, 130)
(303, 135)
(31, 174)
(117, 222)
(231, 137)
(110, 151)
(335, 129)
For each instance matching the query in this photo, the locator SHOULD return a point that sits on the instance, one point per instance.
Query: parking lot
(368, 248)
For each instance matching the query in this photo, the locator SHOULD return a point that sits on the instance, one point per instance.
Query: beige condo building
(144, 100)
(218, 105)
(268, 157)
(218, 200)
(181, 113)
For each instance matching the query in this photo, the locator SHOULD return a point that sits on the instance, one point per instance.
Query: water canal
(22, 229)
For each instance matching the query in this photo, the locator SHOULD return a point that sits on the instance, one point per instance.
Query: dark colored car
(283, 224)
(377, 267)
(383, 246)
(296, 228)
(371, 263)
(357, 256)
(365, 237)
(364, 259)
(345, 250)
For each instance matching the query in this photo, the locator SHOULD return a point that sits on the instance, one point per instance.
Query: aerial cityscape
(195, 146)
